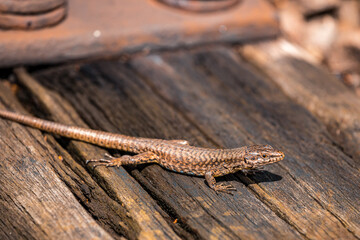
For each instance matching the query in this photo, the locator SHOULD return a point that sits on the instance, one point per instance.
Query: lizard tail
(105, 139)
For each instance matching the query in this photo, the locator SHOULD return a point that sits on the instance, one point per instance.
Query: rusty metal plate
(109, 28)
(29, 6)
(32, 21)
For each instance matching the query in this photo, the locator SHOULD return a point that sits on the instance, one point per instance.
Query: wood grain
(313, 88)
(228, 100)
(35, 203)
(213, 98)
(137, 111)
(125, 207)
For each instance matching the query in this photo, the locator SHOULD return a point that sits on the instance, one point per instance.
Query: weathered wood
(212, 98)
(136, 214)
(229, 106)
(121, 102)
(224, 97)
(313, 88)
(35, 203)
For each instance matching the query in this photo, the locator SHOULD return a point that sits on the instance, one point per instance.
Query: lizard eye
(264, 155)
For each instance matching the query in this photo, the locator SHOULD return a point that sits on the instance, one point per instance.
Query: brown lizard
(175, 155)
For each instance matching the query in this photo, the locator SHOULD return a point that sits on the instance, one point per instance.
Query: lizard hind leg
(218, 187)
(141, 158)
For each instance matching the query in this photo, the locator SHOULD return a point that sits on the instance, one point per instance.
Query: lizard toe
(224, 187)
(108, 156)
(97, 160)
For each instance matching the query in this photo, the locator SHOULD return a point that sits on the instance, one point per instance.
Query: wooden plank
(313, 88)
(110, 96)
(213, 98)
(35, 203)
(226, 99)
(132, 212)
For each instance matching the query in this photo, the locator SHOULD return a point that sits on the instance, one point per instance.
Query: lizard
(175, 155)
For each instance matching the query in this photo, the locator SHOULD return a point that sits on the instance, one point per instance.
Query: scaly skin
(175, 155)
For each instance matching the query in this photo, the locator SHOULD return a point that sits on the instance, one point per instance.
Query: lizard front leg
(145, 157)
(218, 187)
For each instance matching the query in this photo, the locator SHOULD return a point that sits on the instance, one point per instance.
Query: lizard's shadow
(258, 177)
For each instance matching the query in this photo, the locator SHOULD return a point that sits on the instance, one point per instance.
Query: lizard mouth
(275, 157)
(261, 161)
(278, 156)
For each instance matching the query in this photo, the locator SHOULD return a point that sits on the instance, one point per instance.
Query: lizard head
(259, 155)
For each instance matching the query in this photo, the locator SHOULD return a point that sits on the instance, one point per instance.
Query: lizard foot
(224, 187)
(107, 159)
(108, 156)
(110, 161)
